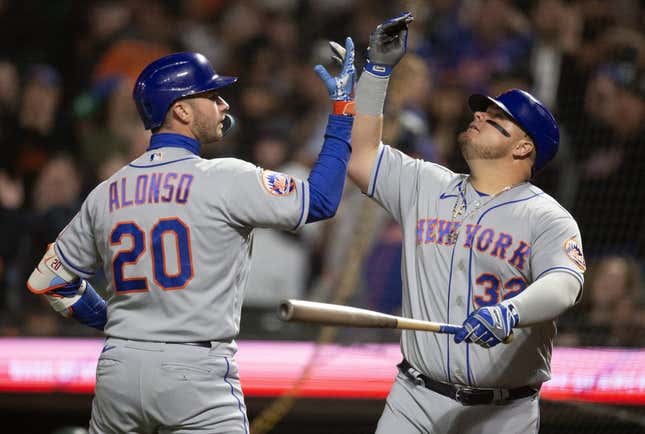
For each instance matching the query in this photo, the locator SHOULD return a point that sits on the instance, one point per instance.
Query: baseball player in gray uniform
(487, 249)
(173, 233)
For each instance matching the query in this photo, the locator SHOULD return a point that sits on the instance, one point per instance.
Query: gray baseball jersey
(173, 233)
(463, 250)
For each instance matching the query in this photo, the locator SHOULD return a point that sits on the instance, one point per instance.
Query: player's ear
(524, 148)
(182, 111)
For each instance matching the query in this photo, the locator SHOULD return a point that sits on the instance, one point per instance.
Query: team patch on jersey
(573, 249)
(278, 184)
(156, 156)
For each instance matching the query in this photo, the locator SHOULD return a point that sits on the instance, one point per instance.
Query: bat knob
(285, 310)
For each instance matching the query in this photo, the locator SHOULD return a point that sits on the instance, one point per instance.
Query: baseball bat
(338, 315)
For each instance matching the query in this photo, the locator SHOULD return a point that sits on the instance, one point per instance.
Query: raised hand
(388, 44)
(341, 86)
(490, 325)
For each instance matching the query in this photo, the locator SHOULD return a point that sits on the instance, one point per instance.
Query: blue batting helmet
(531, 115)
(170, 78)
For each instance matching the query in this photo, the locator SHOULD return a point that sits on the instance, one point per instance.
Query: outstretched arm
(388, 44)
(327, 177)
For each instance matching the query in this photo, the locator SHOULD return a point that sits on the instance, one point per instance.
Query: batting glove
(388, 44)
(490, 325)
(340, 87)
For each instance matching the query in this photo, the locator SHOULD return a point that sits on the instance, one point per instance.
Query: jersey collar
(172, 140)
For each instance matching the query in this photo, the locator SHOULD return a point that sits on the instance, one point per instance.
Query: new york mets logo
(574, 252)
(278, 184)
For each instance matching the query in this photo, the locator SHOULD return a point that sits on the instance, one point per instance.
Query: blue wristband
(90, 309)
(378, 70)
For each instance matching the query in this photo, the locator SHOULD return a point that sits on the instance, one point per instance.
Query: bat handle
(449, 328)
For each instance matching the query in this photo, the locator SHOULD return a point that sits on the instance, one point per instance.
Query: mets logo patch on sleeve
(573, 249)
(278, 184)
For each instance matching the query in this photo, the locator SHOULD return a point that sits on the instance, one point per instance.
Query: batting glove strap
(488, 326)
(378, 70)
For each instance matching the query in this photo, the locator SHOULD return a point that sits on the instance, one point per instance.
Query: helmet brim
(222, 81)
(479, 103)
(216, 82)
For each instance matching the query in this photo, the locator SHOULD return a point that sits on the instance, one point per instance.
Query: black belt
(465, 394)
(205, 344)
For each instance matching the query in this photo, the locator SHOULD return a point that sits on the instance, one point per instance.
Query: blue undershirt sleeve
(327, 177)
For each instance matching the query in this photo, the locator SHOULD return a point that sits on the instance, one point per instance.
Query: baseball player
(487, 249)
(173, 233)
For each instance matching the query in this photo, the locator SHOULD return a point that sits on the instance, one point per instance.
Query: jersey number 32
(162, 232)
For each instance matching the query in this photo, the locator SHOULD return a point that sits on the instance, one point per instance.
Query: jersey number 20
(159, 233)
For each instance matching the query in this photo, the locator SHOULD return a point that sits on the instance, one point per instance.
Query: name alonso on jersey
(150, 188)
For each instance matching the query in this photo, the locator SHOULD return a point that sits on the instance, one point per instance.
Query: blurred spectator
(612, 308)
(40, 100)
(611, 169)
(447, 117)
(41, 130)
(57, 189)
(55, 201)
(557, 30)
(12, 229)
(107, 123)
(406, 112)
(149, 35)
(489, 36)
(9, 102)
(382, 270)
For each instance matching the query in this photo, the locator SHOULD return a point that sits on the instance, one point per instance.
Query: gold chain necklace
(460, 207)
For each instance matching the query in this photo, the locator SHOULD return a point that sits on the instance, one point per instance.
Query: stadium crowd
(67, 122)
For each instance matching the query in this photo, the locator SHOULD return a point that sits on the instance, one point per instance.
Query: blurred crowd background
(67, 122)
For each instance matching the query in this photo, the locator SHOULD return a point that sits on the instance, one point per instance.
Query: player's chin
(215, 134)
(464, 139)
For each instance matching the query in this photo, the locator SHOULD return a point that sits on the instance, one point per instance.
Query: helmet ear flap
(147, 107)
